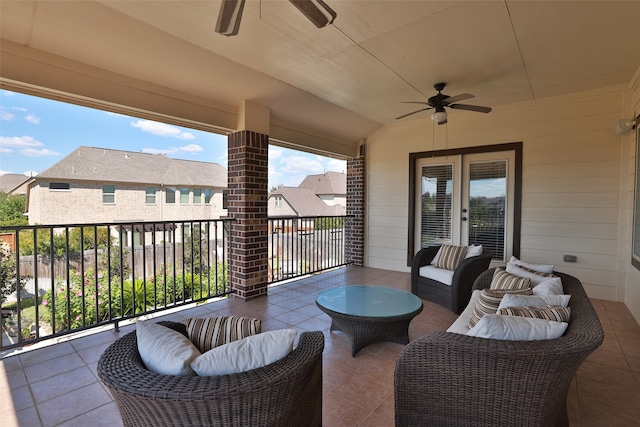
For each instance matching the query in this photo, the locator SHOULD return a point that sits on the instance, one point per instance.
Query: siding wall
(573, 166)
(632, 276)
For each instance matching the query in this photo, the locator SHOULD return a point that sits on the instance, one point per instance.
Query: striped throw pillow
(210, 332)
(503, 280)
(450, 256)
(489, 301)
(546, 312)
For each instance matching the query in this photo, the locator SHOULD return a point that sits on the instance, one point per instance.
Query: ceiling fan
(440, 101)
(317, 11)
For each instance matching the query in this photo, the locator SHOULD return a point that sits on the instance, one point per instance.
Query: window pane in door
(436, 205)
(487, 205)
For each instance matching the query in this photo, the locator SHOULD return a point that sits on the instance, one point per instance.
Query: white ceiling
(351, 77)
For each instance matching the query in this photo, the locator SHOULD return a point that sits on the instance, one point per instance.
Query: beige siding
(630, 274)
(571, 198)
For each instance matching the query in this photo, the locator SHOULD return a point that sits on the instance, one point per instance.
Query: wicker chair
(285, 393)
(448, 379)
(454, 297)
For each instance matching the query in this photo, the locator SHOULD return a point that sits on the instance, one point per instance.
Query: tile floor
(57, 385)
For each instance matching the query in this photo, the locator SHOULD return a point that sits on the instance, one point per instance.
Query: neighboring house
(97, 185)
(317, 195)
(331, 187)
(14, 183)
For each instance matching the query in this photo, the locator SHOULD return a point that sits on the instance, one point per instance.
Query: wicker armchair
(285, 393)
(448, 379)
(454, 297)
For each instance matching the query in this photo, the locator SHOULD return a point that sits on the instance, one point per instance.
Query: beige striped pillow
(489, 301)
(503, 280)
(450, 256)
(546, 312)
(210, 332)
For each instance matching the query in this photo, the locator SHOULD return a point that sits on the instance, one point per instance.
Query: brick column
(355, 207)
(247, 204)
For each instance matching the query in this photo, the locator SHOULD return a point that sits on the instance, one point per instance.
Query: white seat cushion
(438, 274)
(460, 325)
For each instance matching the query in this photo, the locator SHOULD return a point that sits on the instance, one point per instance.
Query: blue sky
(35, 133)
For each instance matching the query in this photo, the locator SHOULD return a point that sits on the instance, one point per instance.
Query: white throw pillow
(473, 250)
(163, 350)
(535, 277)
(516, 328)
(542, 268)
(512, 300)
(550, 286)
(252, 352)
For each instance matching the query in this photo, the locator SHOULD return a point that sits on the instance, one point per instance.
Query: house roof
(107, 165)
(10, 181)
(306, 203)
(326, 183)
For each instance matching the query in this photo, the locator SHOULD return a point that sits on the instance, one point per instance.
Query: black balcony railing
(304, 245)
(60, 279)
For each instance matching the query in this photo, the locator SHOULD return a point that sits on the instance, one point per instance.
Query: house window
(207, 195)
(170, 195)
(108, 193)
(184, 196)
(59, 186)
(278, 201)
(150, 195)
(225, 199)
(197, 196)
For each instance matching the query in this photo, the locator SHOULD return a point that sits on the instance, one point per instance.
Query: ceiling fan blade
(461, 97)
(477, 108)
(405, 115)
(414, 102)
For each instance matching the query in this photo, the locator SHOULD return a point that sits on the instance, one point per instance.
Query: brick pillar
(355, 207)
(247, 204)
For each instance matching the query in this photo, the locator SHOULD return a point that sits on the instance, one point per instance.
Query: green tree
(8, 279)
(12, 208)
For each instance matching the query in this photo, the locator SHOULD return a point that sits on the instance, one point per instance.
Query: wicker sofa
(285, 393)
(456, 296)
(449, 379)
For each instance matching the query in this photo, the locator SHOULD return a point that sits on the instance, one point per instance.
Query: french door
(466, 199)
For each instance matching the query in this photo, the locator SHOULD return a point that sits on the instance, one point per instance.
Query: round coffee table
(368, 314)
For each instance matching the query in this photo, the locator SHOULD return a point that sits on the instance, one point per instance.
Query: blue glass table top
(369, 301)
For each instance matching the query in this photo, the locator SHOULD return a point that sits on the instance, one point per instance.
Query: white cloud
(164, 151)
(335, 165)
(192, 148)
(24, 110)
(275, 153)
(296, 168)
(161, 129)
(19, 142)
(32, 152)
(6, 116)
(29, 173)
(3, 172)
(31, 118)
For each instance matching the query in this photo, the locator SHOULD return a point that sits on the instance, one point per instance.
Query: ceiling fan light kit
(230, 15)
(440, 101)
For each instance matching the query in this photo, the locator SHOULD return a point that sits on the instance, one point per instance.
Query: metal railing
(61, 279)
(304, 245)
(79, 276)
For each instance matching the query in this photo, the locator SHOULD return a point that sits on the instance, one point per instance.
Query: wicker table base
(364, 330)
